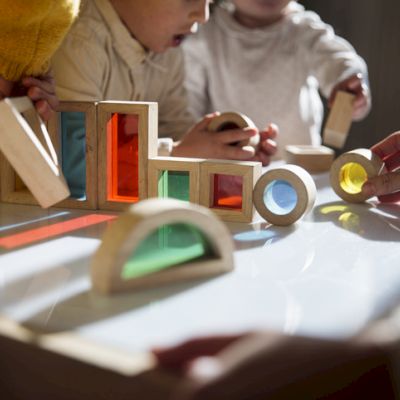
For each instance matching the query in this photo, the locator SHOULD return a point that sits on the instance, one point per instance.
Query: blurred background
(373, 28)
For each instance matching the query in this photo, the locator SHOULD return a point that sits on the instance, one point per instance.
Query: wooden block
(339, 120)
(60, 139)
(283, 195)
(127, 140)
(27, 150)
(189, 166)
(234, 120)
(227, 188)
(349, 172)
(313, 159)
(123, 263)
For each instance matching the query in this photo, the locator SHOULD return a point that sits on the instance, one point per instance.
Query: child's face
(160, 24)
(258, 13)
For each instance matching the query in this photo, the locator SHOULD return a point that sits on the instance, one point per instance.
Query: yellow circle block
(352, 177)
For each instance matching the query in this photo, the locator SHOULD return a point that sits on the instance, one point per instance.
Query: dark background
(373, 28)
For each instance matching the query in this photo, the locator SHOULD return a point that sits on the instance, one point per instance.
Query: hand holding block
(339, 120)
(313, 159)
(26, 144)
(349, 172)
(233, 120)
(283, 195)
(158, 241)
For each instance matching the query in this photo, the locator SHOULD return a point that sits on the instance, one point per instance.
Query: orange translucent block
(228, 191)
(123, 158)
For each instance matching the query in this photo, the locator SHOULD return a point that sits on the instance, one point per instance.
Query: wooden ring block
(299, 180)
(134, 226)
(234, 120)
(313, 159)
(350, 170)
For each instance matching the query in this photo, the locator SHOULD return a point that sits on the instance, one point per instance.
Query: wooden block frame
(28, 151)
(90, 111)
(339, 120)
(131, 228)
(369, 161)
(147, 113)
(248, 170)
(190, 165)
(313, 159)
(303, 184)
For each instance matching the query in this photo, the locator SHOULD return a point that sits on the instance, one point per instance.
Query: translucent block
(228, 191)
(352, 177)
(280, 197)
(174, 184)
(168, 246)
(73, 157)
(123, 158)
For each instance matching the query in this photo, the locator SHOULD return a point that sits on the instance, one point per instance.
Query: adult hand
(387, 185)
(357, 86)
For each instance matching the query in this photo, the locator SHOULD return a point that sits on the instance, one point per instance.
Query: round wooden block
(349, 172)
(126, 233)
(233, 120)
(283, 195)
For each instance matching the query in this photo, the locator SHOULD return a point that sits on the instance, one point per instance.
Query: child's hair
(30, 32)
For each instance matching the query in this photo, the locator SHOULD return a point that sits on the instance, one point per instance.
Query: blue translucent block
(168, 246)
(73, 140)
(280, 197)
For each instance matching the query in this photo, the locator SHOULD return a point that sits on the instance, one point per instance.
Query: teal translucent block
(280, 197)
(174, 184)
(73, 140)
(168, 246)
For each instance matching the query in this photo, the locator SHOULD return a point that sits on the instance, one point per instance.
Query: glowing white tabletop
(327, 276)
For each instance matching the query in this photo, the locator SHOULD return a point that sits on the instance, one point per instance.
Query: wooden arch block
(283, 195)
(27, 146)
(143, 219)
(234, 120)
(349, 172)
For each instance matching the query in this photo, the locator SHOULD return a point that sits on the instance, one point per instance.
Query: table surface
(328, 276)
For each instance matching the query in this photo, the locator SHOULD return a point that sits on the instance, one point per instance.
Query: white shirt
(271, 74)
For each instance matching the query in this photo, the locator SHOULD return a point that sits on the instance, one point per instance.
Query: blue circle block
(280, 197)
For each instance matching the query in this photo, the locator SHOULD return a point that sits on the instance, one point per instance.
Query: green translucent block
(174, 184)
(73, 141)
(168, 246)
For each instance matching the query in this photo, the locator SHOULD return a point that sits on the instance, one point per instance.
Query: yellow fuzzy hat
(30, 32)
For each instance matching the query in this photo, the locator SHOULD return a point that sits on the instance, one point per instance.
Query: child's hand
(387, 185)
(201, 143)
(267, 146)
(357, 86)
(41, 90)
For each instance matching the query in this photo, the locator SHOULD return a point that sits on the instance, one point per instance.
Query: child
(129, 50)
(30, 32)
(268, 59)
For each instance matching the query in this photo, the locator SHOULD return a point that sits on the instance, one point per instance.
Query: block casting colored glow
(123, 158)
(280, 197)
(73, 158)
(168, 246)
(174, 184)
(228, 191)
(49, 231)
(352, 177)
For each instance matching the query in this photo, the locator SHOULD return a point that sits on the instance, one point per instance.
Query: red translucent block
(123, 158)
(228, 191)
